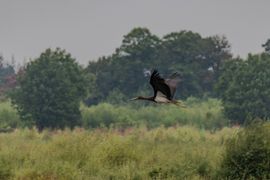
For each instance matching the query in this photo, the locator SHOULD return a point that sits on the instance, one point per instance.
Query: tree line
(197, 59)
(49, 89)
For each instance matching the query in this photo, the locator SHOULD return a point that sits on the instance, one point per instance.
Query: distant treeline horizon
(206, 65)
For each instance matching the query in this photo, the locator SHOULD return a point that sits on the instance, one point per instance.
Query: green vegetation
(173, 153)
(197, 59)
(244, 88)
(8, 117)
(201, 114)
(7, 77)
(248, 154)
(50, 90)
(113, 138)
(205, 114)
(266, 46)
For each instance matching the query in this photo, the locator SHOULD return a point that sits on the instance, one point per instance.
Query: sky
(89, 29)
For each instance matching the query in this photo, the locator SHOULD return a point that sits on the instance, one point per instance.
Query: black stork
(164, 89)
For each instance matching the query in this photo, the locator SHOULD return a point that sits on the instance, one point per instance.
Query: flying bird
(164, 89)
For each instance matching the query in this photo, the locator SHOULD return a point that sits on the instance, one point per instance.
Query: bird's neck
(146, 98)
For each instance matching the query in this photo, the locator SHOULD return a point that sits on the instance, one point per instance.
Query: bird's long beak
(134, 99)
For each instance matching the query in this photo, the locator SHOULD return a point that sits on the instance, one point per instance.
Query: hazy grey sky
(89, 29)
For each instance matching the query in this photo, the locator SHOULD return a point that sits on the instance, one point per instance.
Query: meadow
(133, 141)
(182, 152)
(118, 142)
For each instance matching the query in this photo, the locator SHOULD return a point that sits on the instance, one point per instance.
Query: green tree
(197, 59)
(50, 90)
(244, 88)
(123, 71)
(137, 52)
(266, 46)
(7, 77)
(5, 70)
(140, 44)
(101, 73)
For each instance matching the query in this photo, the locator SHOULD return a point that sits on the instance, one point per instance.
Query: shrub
(8, 117)
(203, 114)
(247, 155)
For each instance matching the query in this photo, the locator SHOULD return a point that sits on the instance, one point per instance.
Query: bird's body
(164, 90)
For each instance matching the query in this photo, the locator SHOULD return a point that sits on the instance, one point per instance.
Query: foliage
(171, 153)
(244, 88)
(50, 90)
(206, 114)
(203, 114)
(266, 46)
(7, 77)
(248, 153)
(8, 117)
(197, 59)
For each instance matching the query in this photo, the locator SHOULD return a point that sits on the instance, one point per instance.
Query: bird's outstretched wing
(172, 82)
(159, 84)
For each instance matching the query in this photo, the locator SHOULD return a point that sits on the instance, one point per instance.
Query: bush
(8, 117)
(248, 153)
(202, 114)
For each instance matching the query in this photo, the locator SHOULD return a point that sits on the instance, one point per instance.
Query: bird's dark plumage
(164, 89)
(159, 84)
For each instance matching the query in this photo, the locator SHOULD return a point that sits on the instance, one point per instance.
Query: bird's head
(136, 98)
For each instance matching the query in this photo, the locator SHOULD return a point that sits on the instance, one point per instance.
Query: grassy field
(133, 153)
(119, 142)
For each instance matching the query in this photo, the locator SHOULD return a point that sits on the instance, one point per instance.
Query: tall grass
(137, 153)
